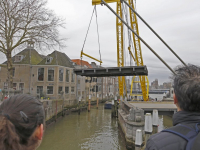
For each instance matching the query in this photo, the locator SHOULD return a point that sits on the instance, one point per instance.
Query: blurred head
(187, 88)
(21, 123)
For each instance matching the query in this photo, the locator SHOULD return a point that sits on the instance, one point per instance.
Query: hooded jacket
(170, 141)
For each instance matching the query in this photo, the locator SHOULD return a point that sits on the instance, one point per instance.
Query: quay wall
(130, 119)
(56, 108)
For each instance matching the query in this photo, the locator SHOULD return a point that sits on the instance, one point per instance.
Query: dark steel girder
(113, 71)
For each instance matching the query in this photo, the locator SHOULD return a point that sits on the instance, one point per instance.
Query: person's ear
(39, 132)
(175, 99)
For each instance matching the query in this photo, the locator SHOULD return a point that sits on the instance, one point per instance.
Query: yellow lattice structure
(143, 80)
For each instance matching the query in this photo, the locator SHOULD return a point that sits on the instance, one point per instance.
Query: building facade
(50, 77)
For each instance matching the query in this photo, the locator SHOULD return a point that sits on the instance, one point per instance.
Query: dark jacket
(170, 141)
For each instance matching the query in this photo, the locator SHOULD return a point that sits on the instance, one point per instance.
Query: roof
(81, 63)
(30, 56)
(59, 58)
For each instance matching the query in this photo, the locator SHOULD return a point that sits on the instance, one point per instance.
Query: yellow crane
(143, 80)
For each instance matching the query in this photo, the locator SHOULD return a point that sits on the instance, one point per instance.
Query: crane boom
(120, 51)
(138, 52)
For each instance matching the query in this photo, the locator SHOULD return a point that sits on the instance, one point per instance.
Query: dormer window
(18, 58)
(49, 60)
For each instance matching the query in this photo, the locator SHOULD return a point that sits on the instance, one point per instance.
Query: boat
(108, 105)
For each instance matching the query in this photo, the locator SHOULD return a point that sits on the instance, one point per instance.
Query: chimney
(30, 44)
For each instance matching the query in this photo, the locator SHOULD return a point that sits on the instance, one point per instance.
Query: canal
(95, 130)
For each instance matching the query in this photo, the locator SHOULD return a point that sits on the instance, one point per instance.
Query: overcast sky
(177, 22)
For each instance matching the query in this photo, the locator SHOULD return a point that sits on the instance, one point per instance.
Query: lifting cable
(94, 11)
(98, 32)
(87, 33)
(129, 33)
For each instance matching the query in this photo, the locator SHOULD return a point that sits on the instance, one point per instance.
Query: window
(49, 89)
(66, 90)
(94, 79)
(18, 58)
(61, 74)
(60, 89)
(73, 77)
(83, 93)
(79, 81)
(5, 85)
(67, 75)
(39, 90)
(99, 88)
(21, 87)
(13, 71)
(49, 60)
(40, 74)
(15, 86)
(72, 89)
(79, 93)
(50, 74)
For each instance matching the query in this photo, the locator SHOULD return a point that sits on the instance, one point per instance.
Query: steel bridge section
(113, 71)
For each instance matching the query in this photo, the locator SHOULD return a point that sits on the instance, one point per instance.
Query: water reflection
(89, 131)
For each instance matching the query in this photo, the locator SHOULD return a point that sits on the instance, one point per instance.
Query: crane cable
(87, 32)
(98, 33)
(94, 11)
(129, 33)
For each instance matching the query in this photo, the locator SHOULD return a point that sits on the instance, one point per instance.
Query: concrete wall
(130, 119)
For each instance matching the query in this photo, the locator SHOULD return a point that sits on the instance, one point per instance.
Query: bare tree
(22, 20)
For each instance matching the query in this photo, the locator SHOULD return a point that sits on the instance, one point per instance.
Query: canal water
(95, 130)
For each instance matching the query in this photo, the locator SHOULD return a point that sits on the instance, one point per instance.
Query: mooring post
(97, 101)
(89, 103)
(148, 126)
(79, 105)
(155, 121)
(138, 140)
(116, 111)
(121, 98)
(56, 111)
(113, 109)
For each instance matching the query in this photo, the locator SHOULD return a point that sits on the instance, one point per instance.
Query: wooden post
(79, 105)
(113, 109)
(56, 110)
(116, 107)
(97, 101)
(89, 103)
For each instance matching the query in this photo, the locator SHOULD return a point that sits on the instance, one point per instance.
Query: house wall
(21, 75)
(28, 75)
(70, 96)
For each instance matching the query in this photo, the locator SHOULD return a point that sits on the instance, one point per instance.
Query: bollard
(138, 140)
(89, 103)
(148, 126)
(155, 121)
(97, 100)
(125, 98)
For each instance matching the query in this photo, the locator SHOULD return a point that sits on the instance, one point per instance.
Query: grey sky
(177, 22)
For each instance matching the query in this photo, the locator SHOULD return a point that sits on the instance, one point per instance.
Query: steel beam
(113, 71)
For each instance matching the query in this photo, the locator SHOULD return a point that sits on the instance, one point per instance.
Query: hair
(19, 117)
(187, 87)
